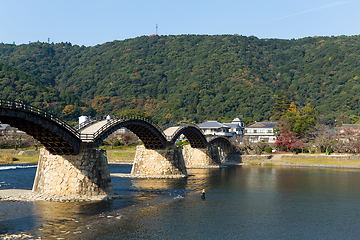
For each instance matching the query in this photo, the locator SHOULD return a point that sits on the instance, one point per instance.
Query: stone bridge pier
(201, 157)
(86, 173)
(159, 163)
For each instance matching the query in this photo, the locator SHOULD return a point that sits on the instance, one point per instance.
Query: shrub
(268, 149)
(330, 150)
(7, 159)
(296, 150)
(116, 143)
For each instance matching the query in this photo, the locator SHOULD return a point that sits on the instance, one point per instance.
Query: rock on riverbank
(29, 196)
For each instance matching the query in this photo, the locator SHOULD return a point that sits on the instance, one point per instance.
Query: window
(269, 131)
(255, 131)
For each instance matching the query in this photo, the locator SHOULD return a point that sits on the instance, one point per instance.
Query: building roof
(212, 124)
(4, 126)
(237, 120)
(262, 125)
(232, 125)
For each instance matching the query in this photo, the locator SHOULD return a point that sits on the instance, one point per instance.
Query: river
(242, 202)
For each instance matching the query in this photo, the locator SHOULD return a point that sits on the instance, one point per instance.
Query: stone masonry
(162, 163)
(84, 174)
(201, 157)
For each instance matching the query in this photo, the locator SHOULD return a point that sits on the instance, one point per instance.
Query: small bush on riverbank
(268, 149)
(7, 159)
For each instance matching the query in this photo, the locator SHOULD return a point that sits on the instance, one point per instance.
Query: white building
(261, 131)
(236, 127)
(3, 128)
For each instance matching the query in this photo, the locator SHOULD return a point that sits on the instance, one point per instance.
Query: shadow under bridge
(55, 134)
(192, 133)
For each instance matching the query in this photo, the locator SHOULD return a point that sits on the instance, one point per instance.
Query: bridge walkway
(170, 131)
(92, 128)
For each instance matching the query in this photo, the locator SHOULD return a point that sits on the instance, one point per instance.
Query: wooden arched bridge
(72, 163)
(60, 138)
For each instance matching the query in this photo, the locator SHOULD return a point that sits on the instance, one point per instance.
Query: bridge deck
(170, 131)
(93, 127)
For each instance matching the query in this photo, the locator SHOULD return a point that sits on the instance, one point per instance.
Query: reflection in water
(243, 202)
(254, 202)
(62, 218)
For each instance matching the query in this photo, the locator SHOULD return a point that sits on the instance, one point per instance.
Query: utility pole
(156, 29)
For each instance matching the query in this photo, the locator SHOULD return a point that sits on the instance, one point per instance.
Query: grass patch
(325, 161)
(16, 159)
(119, 148)
(120, 156)
(32, 148)
(269, 164)
(7, 159)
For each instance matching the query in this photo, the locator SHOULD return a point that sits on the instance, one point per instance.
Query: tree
(281, 106)
(302, 120)
(285, 140)
(347, 139)
(324, 139)
(124, 137)
(69, 109)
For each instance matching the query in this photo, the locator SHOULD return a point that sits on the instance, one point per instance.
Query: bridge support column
(201, 157)
(84, 174)
(162, 163)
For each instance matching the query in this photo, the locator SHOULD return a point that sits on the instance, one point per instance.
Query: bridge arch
(149, 133)
(217, 140)
(57, 136)
(194, 135)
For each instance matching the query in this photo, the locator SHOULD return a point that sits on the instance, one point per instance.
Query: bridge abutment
(201, 157)
(86, 173)
(161, 163)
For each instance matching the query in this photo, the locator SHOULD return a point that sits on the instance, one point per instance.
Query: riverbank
(127, 157)
(304, 160)
(28, 196)
(32, 157)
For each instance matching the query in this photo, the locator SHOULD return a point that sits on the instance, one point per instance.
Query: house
(223, 129)
(3, 128)
(236, 126)
(261, 131)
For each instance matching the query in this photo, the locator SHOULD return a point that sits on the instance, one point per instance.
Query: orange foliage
(69, 109)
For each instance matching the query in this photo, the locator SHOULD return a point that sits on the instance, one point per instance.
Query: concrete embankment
(304, 160)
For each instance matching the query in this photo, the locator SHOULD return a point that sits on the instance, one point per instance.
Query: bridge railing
(185, 125)
(114, 120)
(10, 104)
(91, 120)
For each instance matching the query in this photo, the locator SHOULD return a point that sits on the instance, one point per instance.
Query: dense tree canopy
(19, 85)
(190, 77)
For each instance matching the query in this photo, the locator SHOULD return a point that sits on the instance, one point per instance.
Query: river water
(242, 202)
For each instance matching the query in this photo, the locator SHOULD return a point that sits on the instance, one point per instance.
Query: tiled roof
(262, 125)
(232, 125)
(212, 124)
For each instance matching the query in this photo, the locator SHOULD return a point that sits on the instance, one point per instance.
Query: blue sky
(94, 22)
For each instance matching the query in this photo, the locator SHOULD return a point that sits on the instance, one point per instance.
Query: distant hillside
(15, 85)
(197, 77)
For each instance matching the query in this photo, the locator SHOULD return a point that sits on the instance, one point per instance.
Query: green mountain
(16, 85)
(198, 77)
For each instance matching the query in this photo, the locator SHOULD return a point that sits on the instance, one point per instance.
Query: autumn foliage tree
(293, 126)
(285, 140)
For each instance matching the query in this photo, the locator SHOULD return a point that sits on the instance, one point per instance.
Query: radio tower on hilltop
(156, 29)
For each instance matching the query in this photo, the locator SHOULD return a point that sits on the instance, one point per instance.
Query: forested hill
(15, 84)
(198, 77)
